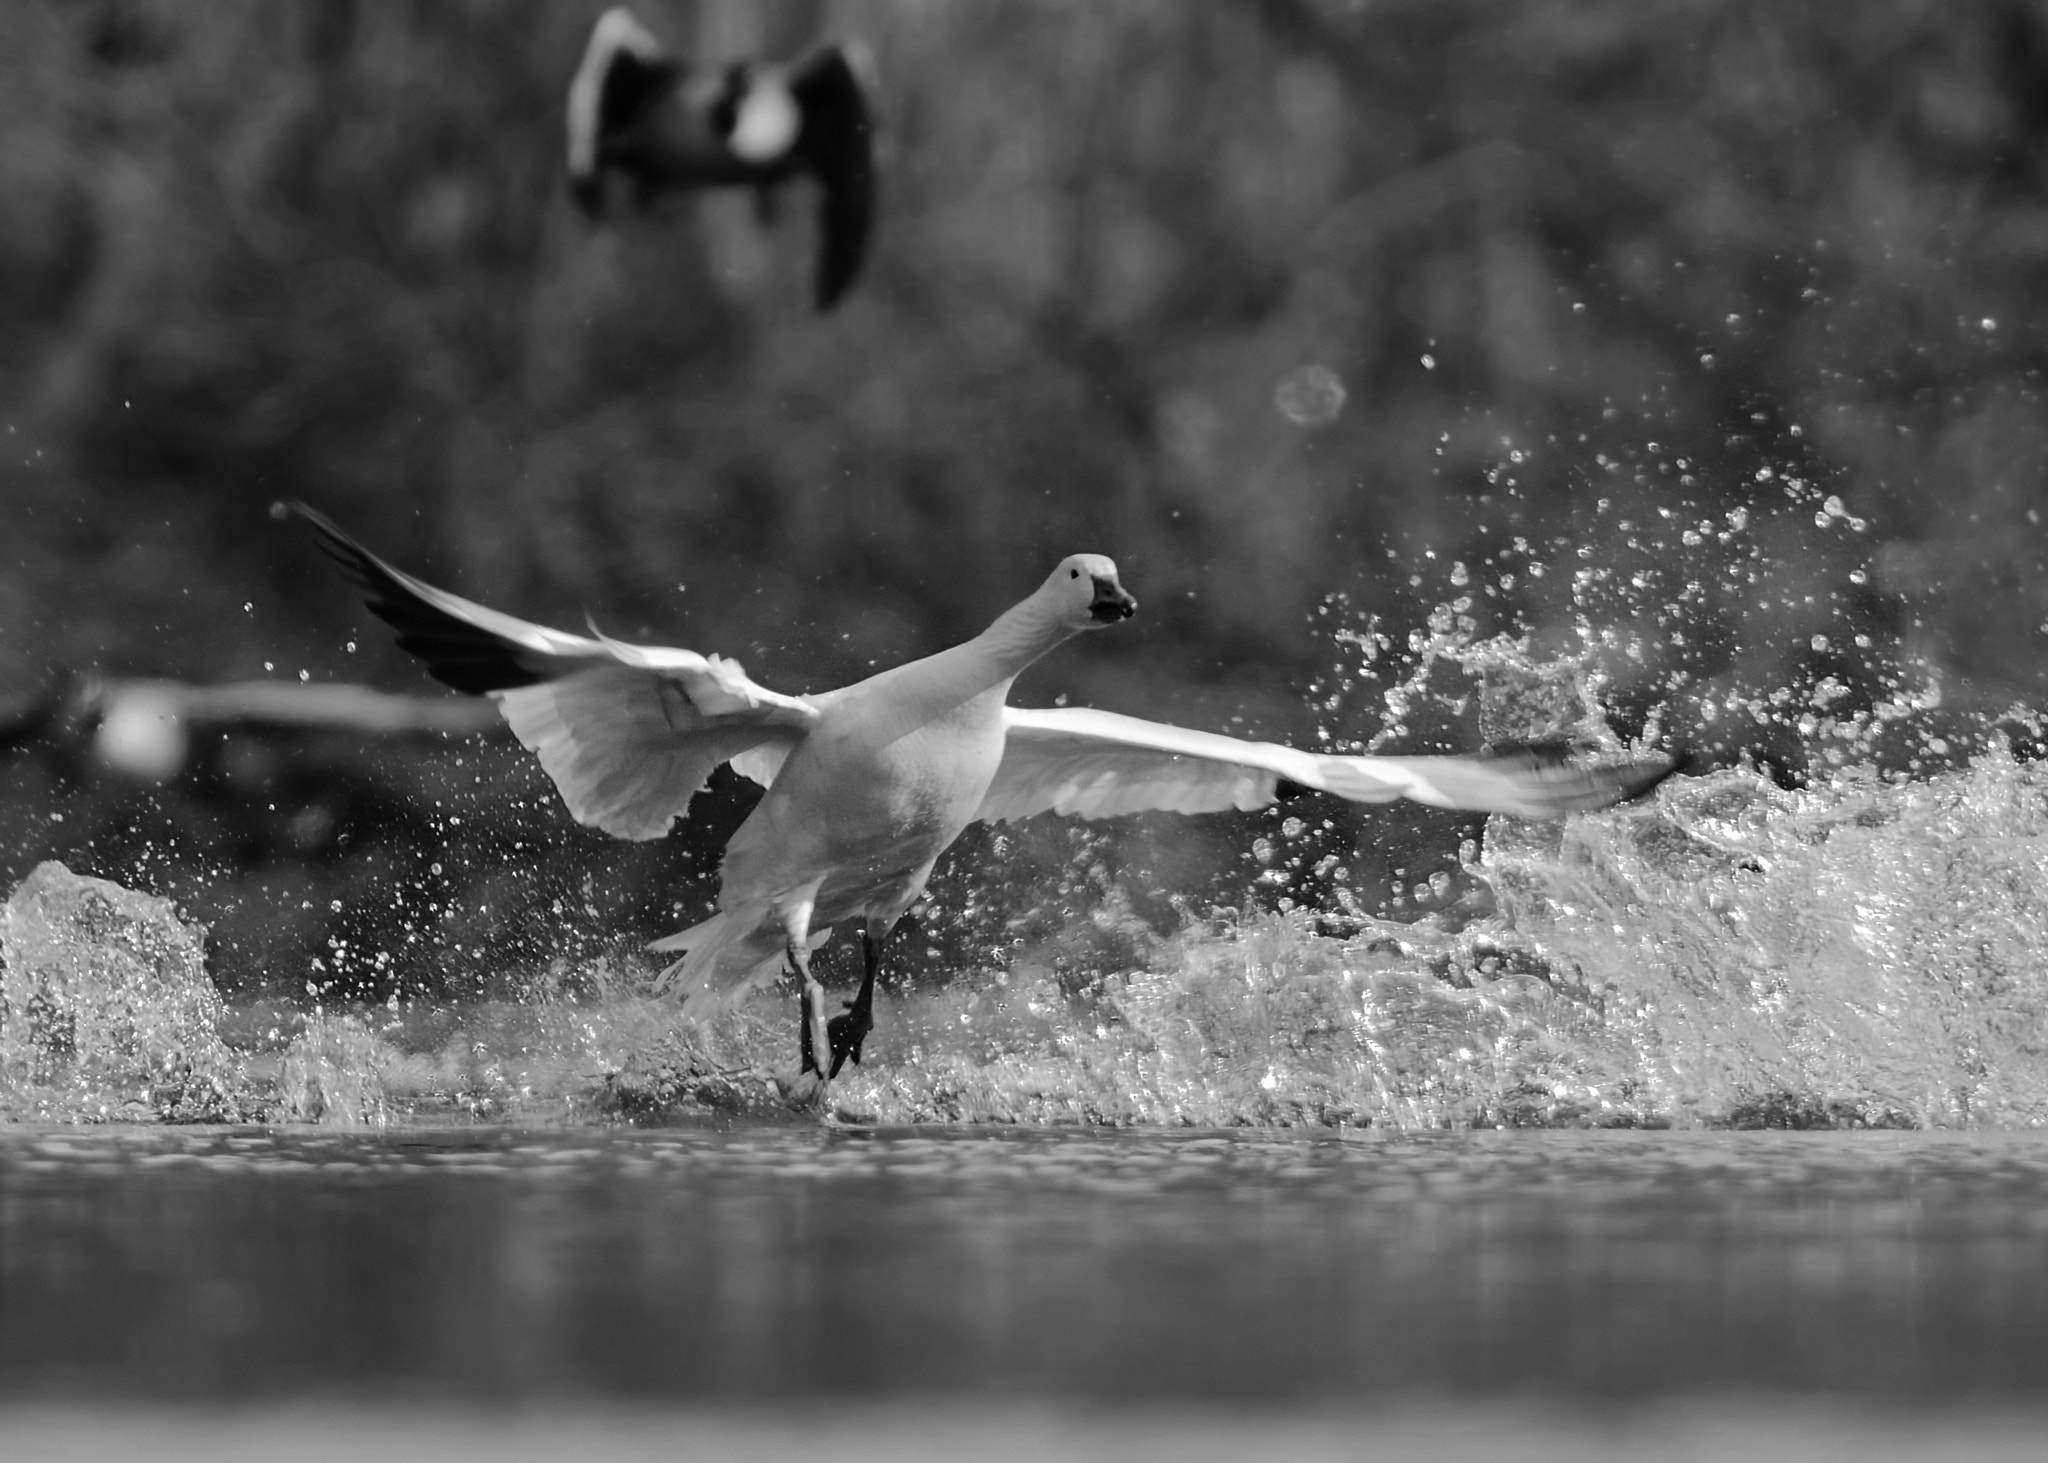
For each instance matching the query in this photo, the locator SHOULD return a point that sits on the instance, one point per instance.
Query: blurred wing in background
(1097, 764)
(623, 75)
(833, 89)
(628, 732)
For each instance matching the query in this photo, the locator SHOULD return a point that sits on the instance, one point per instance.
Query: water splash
(106, 1010)
(1861, 951)
(333, 1075)
(1864, 949)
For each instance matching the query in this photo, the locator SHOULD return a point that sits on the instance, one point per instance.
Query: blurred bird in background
(666, 126)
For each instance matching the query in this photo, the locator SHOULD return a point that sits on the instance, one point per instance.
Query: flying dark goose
(666, 126)
(867, 785)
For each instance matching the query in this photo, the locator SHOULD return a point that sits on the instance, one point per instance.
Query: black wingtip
(840, 149)
(361, 567)
(1643, 778)
(287, 506)
(458, 654)
(1627, 781)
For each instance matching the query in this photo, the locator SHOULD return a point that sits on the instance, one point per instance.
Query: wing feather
(627, 753)
(622, 70)
(763, 761)
(838, 145)
(629, 733)
(1097, 764)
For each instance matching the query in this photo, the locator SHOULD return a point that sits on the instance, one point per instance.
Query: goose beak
(1111, 603)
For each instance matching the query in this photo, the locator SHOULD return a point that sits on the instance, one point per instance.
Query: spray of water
(1844, 937)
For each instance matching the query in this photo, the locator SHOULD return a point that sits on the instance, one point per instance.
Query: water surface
(780, 1265)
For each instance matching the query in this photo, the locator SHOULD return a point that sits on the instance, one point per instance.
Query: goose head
(1085, 593)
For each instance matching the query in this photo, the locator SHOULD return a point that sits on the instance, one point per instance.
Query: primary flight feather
(867, 785)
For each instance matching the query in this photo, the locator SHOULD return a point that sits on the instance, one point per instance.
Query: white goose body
(869, 784)
(863, 804)
(850, 827)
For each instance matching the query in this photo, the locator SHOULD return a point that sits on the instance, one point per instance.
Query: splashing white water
(1862, 951)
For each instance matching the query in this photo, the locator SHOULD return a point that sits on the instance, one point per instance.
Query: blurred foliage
(1705, 335)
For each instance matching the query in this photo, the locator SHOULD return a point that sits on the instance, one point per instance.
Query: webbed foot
(847, 1032)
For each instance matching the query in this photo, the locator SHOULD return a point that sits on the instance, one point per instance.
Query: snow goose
(867, 785)
(635, 109)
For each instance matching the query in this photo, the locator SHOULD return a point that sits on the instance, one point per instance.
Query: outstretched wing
(622, 72)
(1096, 764)
(628, 732)
(838, 147)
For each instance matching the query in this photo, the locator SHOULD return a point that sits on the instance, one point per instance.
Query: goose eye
(1073, 574)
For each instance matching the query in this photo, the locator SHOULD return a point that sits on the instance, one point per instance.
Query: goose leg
(811, 1037)
(850, 1030)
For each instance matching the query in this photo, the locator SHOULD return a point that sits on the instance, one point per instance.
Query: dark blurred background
(1702, 339)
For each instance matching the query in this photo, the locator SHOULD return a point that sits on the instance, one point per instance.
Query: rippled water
(767, 1265)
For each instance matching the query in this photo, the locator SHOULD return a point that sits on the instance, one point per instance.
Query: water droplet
(1310, 396)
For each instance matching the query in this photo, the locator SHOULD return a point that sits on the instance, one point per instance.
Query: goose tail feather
(724, 957)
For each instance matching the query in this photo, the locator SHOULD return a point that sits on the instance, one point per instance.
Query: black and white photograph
(1009, 730)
